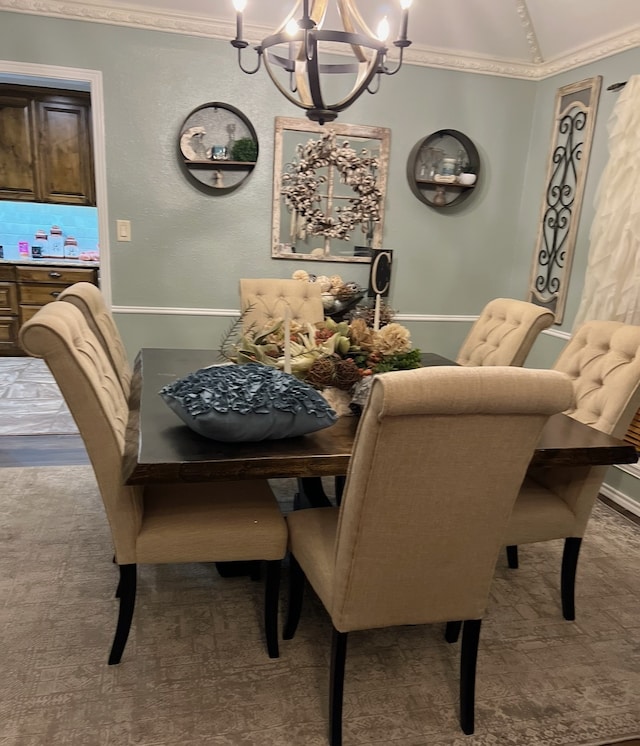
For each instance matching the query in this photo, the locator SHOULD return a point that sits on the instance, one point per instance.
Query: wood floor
(42, 450)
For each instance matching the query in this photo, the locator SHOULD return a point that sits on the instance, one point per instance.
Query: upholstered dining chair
(264, 300)
(437, 461)
(504, 333)
(89, 299)
(157, 523)
(603, 361)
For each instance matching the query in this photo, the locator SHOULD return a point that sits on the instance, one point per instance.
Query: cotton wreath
(301, 184)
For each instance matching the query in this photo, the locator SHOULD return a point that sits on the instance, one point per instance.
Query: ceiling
(518, 38)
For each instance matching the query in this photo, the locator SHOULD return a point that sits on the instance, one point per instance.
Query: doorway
(82, 80)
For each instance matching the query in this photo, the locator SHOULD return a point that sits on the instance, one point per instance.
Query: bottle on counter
(55, 244)
(71, 250)
(40, 244)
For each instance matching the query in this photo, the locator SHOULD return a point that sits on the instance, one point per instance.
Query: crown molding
(192, 25)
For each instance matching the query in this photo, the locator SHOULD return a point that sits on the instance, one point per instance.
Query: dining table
(159, 447)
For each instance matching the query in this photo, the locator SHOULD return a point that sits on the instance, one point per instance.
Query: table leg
(311, 492)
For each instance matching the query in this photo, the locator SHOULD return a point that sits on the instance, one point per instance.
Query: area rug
(195, 671)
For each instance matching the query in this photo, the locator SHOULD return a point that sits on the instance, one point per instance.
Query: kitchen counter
(51, 262)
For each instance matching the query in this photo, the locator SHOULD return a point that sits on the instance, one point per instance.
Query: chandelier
(296, 60)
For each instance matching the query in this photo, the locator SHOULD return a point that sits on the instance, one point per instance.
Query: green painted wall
(190, 249)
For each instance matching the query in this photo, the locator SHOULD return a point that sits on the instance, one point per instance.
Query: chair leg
(336, 690)
(512, 556)
(296, 592)
(339, 483)
(570, 554)
(127, 594)
(452, 631)
(271, 595)
(468, 658)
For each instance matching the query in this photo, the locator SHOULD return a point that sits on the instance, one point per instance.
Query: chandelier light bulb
(405, 4)
(383, 29)
(240, 5)
(292, 27)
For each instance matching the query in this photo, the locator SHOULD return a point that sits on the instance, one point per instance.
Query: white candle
(376, 314)
(287, 340)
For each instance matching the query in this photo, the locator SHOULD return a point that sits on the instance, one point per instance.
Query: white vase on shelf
(467, 179)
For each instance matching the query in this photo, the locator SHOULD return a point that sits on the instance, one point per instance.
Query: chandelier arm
(384, 70)
(241, 66)
(372, 90)
(365, 81)
(293, 99)
(313, 74)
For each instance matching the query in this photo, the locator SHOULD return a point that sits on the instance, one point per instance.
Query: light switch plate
(123, 230)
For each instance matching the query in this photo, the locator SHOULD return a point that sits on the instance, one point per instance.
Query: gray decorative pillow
(251, 402)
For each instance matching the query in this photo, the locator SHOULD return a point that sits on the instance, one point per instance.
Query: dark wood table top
(160, 448)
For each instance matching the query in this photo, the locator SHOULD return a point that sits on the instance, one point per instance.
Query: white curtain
(612, 281)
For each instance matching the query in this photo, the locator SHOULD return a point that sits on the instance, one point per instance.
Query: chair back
(269, 298)
(60, 335)
(603, 360)
(504, 333)
(439, 456)
(90, 301)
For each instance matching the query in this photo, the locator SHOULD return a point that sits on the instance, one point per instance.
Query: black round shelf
(208, 147)
(430, 178)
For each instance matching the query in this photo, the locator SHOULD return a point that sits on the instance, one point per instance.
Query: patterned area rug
(195, 671)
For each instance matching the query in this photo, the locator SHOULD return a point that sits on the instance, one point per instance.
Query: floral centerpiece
(337, 356)
(330, 353)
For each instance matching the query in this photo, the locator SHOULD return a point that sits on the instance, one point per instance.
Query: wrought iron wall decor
(329, 187)
(574, 119)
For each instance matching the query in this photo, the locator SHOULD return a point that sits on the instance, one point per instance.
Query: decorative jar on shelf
(467, 179)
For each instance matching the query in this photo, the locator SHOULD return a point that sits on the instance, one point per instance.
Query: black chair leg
(512, 556)
(570, 554)
(468, 658)
(452, 631)
(127, 594)
(271, 595)
(296, 591)
(339, 483)
(336, 691)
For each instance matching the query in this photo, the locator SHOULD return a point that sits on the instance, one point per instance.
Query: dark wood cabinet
(46, 153)
(25, 288)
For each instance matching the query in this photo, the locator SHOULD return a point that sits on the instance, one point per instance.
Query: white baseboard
(619, 498)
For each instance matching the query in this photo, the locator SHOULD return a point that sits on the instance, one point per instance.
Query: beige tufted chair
(603, 361)
(418, 532)
(90, 301)
(504, 333)
(270, 297)
(157, 523)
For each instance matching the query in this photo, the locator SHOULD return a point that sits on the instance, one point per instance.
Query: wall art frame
(329, 190)
(574, 119)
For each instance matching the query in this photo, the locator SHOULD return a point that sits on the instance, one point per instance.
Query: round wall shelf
(443, 168)
(217, 147)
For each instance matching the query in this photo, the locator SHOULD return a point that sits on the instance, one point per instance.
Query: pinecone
(321, 372)
(346, 373)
